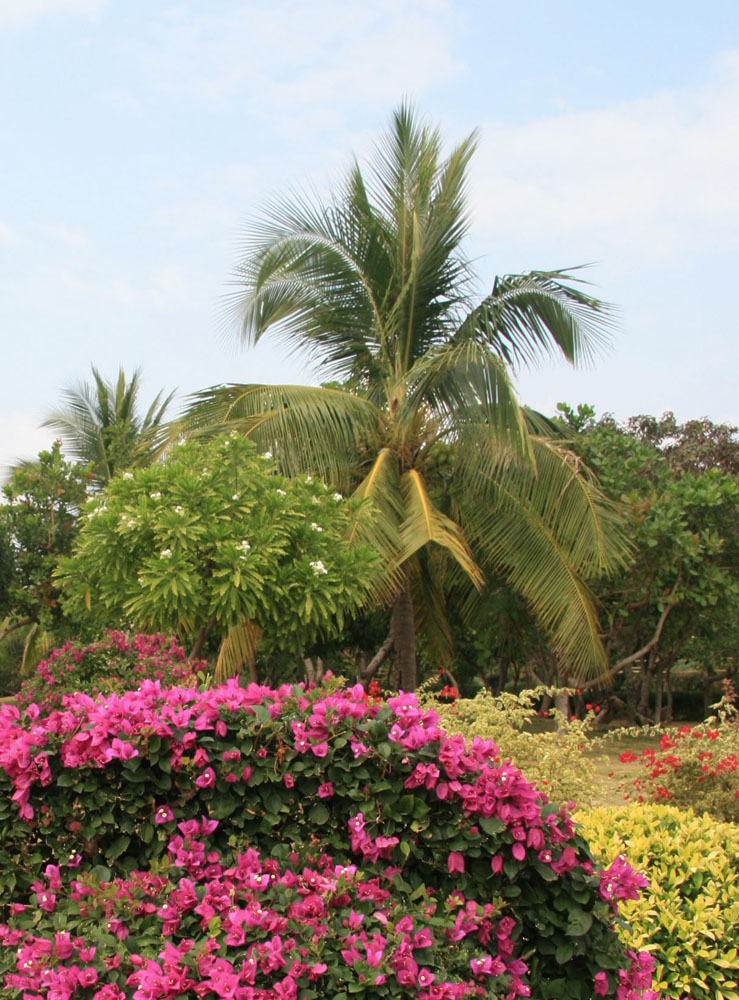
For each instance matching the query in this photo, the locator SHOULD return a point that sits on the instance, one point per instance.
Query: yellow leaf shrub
(688, 918)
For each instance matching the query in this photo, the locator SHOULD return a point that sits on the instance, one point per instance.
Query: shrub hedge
(688, 918)
(116, 663)
(554, 759)
(283, 845)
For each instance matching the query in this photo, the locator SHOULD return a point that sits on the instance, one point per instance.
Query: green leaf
(579, 922)
(319, 814)
(118, 847)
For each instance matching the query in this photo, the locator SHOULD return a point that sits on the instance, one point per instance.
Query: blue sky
(140, 137)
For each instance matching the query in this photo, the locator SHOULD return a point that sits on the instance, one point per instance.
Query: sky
(139, 139)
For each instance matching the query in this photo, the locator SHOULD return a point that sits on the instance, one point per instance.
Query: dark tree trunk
(403, 631)
(658, 696)
(631, 695)
(668, 713)
(203, 633)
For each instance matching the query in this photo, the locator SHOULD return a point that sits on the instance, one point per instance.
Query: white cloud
(649, 177)
(15, 13)
(74, 238)
(290, 55)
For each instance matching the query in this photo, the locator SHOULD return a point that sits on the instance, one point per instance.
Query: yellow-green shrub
(554, 760)
(688, 918)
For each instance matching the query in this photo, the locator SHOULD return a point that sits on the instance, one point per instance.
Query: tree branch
(11, 628)
(646, 648)
(378, 659)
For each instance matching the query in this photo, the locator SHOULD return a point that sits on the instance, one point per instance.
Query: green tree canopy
(375, 285)
(681, 586)
(214, 538)
(38, 524)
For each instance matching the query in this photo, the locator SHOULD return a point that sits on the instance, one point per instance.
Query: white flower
(128, 475)
(309, 479)
(234, 434)
(316, 527)
(179, 510)
(315, 500)
(165, 554)
(318, 567)
(337, 497)
(281, 493)
(267, 454)
(156, 495)
(236, 496)
(244, 546)
(181, 441)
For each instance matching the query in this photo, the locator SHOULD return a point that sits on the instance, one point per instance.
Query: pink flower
(288, 780)
(326, 790)
(207, 779)
(455, 862)
(47, 901)
(163, 815)
(319, 749)
(601, 984)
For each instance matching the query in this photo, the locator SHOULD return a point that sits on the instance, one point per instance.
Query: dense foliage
(116, 663)
(679, 595)
(38, 524)
(695, 766)
(257, 844)
(373, 281)
(213, 538)
(554, 759)
(688, 918)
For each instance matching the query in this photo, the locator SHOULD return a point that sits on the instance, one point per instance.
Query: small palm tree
(100, 425)
(375, 285)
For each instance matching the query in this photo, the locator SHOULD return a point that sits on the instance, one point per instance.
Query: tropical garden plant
(214, 539)
(694, 766)
(678, 596)
(117, 662)
(688, 917)
(423, 419)
(289, 844)
(101, 424)
(39, 515)
(555, 759)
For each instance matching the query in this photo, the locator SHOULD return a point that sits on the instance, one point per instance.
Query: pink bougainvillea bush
(116, 663)
(287, 845)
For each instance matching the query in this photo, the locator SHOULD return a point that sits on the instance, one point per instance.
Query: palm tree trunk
(403, 631)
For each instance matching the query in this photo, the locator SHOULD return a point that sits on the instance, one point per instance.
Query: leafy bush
(695, 766)
(688, 918)
(116, 663)
(215, 537)
(554, 760)
(284, 845)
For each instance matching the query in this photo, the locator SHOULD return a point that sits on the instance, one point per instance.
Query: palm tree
(375, 285)
(100, 424)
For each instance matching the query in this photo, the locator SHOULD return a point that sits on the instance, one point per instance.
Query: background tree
(215, 538)
(374, 284)
(679, 595)
(100, 424)
(38, 524)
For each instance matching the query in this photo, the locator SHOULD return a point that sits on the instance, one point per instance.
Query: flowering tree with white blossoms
(212, 539)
